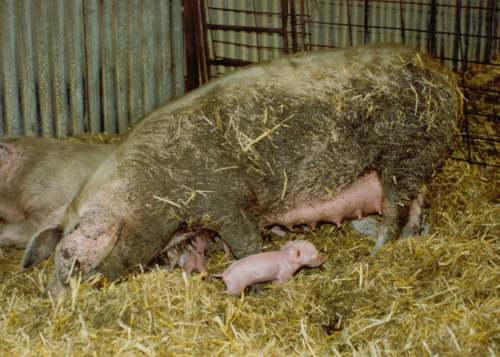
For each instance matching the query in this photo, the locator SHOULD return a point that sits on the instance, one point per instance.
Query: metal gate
(70, 67)
(465, 34)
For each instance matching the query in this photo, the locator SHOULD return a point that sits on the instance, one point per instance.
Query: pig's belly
(362, 198)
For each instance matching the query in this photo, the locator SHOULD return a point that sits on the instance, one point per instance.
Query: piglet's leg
(190, 263)
(233, 286)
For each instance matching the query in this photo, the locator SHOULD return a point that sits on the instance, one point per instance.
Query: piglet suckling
(271, 266)
(190, 250)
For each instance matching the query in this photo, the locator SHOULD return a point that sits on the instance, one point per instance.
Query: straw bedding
(437, 294)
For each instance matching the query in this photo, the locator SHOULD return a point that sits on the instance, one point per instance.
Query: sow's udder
(362, 198)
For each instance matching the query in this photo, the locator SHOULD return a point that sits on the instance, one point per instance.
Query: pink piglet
(271, 266)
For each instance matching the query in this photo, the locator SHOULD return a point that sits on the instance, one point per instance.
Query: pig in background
(279, 143)
(38, 179)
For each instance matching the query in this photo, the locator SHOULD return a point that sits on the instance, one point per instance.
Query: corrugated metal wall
(69, 67)
(464, 29)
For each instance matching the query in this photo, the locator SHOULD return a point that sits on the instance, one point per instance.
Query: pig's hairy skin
(37, 177)
(271, 266)
(220, 156)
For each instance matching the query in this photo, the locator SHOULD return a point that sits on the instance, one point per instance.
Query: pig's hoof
(409, 232)
(367, 226)
(374, 251)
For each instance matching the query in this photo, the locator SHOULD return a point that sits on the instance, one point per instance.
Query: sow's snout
(81, 251)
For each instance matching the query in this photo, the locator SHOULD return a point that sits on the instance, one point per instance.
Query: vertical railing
(69, 67)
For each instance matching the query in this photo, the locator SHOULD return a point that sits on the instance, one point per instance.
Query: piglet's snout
(316, 262)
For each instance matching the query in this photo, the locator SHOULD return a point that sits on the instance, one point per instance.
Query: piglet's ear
(294, 254)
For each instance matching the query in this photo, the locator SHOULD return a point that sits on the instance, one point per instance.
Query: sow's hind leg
(415, 225)
(416, 217)
(403, 198)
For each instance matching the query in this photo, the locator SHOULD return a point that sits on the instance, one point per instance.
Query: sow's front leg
(416, 217)
(238, 225)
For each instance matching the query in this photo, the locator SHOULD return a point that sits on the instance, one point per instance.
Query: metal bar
(205, 40)
(247, 45)
(148, 55)
(8, 57)
(284, 25)
(76, 65)
(2, 125)
(177, 49)
(238, 28)
(189, 16)
(474, 162)
(349, 24)
(431, 41)
(213, 47)
(59, 70)
(107, 69)
(401, 12)
(231, 62)
(482, 89)
(27, 79)
(445, 4)
(490, 30)
(136, 103)
(165, 76)
(457, 44)
(458, 32)
(121, 67)
(331, 24)
(482, 138)
(93, 95)
(303, 24)
(257, 36)
(486, 115)
(199, 43)
(466, 41)
(43, 69)
(365, 21)
(293, 22)
(478, 43)
(224, 9)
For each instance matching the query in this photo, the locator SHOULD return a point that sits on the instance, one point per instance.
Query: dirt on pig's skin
(256, 143)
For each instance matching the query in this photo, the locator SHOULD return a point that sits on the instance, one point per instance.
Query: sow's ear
(41, 245)
(44, 241)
